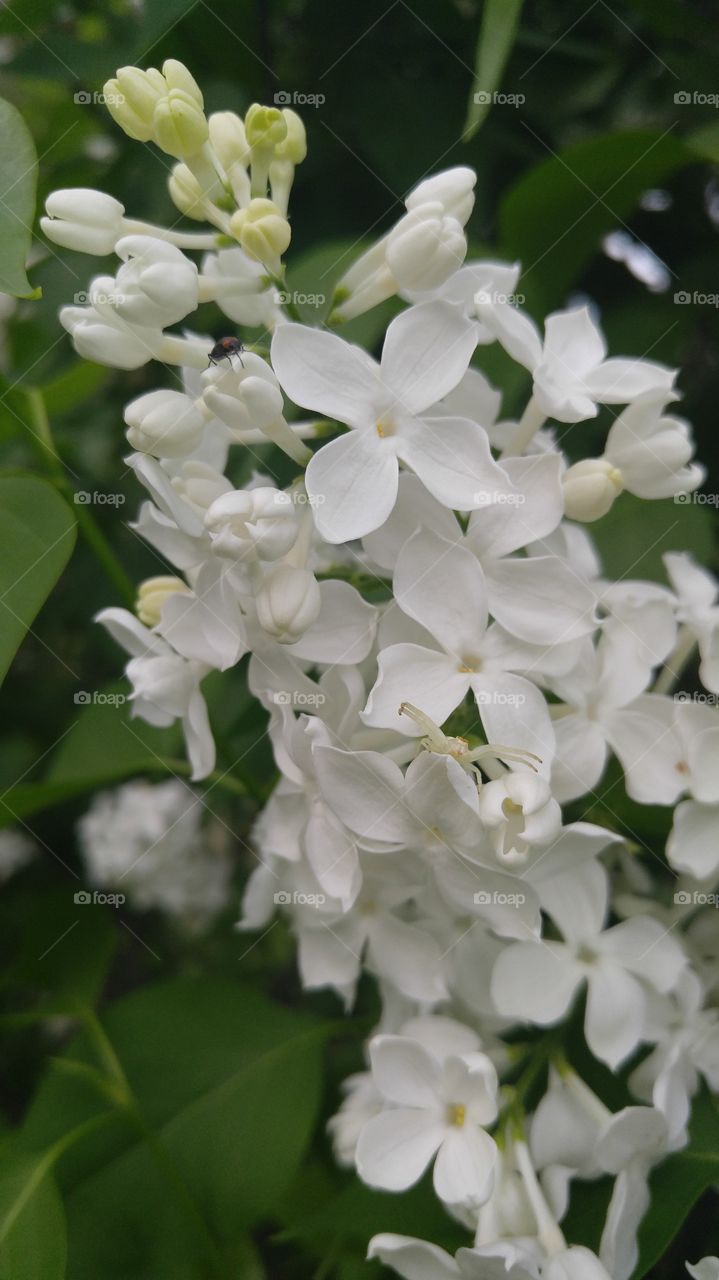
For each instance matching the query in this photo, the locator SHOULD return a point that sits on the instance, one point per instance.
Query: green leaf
(678, 1182)
(18, 165)
(227, 1084)
(634, 535)
(37, 535)
(554, 216)
(500, 19)
(73, 386)
(32, 1220)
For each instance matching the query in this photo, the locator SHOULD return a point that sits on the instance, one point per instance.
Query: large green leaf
(500, 19)
(555, 215)
(32, 1220)
(18, 165)
(678, 1183)
(37, 535)
(227, 1085)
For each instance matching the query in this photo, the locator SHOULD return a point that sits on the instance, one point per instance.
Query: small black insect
(225, 349)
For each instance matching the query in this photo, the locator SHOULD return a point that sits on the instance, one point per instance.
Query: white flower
(146, 841)
(537, 981)
(697, 594)
(80, 218)
(440, 585)
(432, 1109)
(166, 687)
(353, 480)
(571, 371)
(705, 1269)
(520, 812)
(164, 423)
(650, 450)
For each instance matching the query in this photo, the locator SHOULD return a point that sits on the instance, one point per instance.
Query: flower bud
(83, 219)
(294, 146)
(164, 423)
(131, 99)
(425, 247)
(199, 484)
(261, 231)
(249, 522)
(186, 193)
(519, 811)
(229, 140)
(589, 488)
(453, 189)
(265, 127)
(288, 603)
(178, 77)
(244, 403)
(179, 125)
(100, 335)
(157, 284)
(152, 594)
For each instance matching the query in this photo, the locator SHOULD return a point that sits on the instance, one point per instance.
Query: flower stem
(531, 420)
(675, 663)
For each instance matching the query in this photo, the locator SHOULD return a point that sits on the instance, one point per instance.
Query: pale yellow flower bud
(261, 231)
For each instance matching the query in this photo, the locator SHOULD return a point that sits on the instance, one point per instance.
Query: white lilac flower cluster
(426, 744)
(147, 841)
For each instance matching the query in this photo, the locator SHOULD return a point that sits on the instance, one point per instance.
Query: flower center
(456, 1114)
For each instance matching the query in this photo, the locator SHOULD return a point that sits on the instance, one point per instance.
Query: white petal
(352, 484)
(572, 343)
(408, 957)
(320, 371)
(619, 381)
(693, 844)
(464, 1168)
(364, 789)
(344, 629)
(426, 351)
(413, 1259)
(409, 673)
(441, 586)
(580, 759)
(540, 599)
(198, 736)
(577, 901)
(644, 946)
(394, 1148)
(535, 981)
(514, 713)
(453, 460)
(517, 333)
(618, 1249)
(614, 1019)
(505, 527)
(404, 1072)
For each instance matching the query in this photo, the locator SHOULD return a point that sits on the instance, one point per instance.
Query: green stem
(93, 535)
